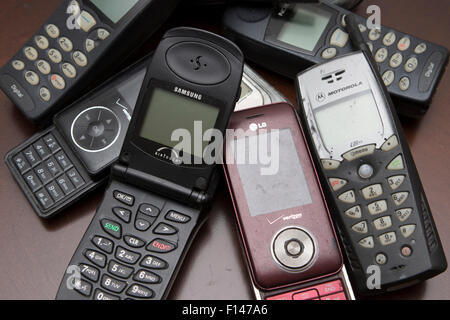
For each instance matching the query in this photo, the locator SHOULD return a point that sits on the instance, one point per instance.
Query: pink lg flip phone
(290, 244)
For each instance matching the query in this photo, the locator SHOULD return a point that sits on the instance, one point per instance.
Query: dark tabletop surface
(34, 253)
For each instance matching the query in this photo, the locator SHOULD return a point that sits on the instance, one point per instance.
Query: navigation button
(164, 228)
(122, 213)
(86, 21)
(339, 38)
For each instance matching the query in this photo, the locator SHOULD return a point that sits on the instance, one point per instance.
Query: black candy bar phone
(62, 163)
(368, 174)
(159, 192)
(289, 241)
(76, 48)
(310, 34)
(59, 165)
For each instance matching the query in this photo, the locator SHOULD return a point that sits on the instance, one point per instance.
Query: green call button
(111, 227)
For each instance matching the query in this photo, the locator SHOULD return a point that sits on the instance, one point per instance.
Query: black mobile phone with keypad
(159, 191)
(312, 33)
(368, 174)
(57, 166)
(77, 47)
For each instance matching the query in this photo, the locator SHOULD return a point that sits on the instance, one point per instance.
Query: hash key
(44, 198)
(75, 177)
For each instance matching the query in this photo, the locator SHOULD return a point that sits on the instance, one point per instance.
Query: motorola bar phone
(289, 241)
(77, 47)
(59, 165)
(314, 33)
(368, 174)
(158, 191)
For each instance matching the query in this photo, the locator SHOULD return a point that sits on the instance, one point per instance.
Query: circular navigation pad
(95, 129)
(293, 248)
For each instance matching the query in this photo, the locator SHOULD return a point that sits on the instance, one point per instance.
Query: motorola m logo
(350, 86)
(188, 93)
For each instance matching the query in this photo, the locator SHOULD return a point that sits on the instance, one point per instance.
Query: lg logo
(256, 126)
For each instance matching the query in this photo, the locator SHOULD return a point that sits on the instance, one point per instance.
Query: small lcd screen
(285, 189)
(304, 29)
(168, 111)
(349, 122)
(114, 9)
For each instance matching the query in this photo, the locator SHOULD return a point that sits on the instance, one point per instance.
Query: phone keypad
(47, 171)
(386, 204)
(55, 56)
(119, 261)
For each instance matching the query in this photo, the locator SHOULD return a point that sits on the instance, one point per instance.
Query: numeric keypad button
(139, 291)
(43, 67)
(51, 143)
(329, 53)
(32, 78)
(41, 42)
(45, 94)
(103, 244)
(145, 276)
(53, 167)
(55, 191)
(75, 178)
(113, 285)
(89, 272)
(119, 270)
(396, 181)
(57, 82)
(65, 184)
(348, 197)
(43, 174)
(381, 55)
(367, 242)
(52, 31)
(41, 149)
(69, 70)
(102, 34)
(407, 230)
(382, 223)
(404, 83)
(374, 34)
(96, 258)
(65, 44)
(400, 197)
(396, 163)
(44, 198)
(127, 256)
(63, 161)
(388, 77)
(19, 65)
(152, 262)
(354, 212)
(360, 227)
(80, 58)
(329, 164)
(83, 287)
(389, 39)
(377, 207)
(396, 60)
(32, 181)
(31, 53)
(411, 64)
(372, 191)
(21, 163)
(54, 55)
(403, 214)
(387, 238)
(31, 155)
(102, 295)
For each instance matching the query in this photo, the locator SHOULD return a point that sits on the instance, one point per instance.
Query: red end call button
(330, 288)
(284, 296)
(337, 296)
(161, 246)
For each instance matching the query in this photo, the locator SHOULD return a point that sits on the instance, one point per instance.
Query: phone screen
(286, 187)
(114, 9)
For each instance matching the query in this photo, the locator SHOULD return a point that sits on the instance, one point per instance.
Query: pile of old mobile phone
(78, 46)
(368, 174)
(311, 33)
(290, 245)
(159, 192)
(59, 165)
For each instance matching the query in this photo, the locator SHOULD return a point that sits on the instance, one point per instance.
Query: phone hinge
(191, 197)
